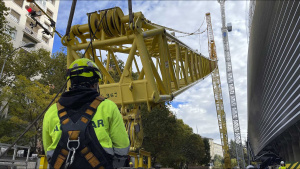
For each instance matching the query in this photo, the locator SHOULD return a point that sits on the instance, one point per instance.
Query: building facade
(215, 149)
(19, 19)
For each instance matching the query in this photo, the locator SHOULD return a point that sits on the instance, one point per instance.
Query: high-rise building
(20, 19)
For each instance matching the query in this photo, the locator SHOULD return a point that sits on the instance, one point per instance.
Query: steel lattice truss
(164, 65)
(231, 89)
(216, 82)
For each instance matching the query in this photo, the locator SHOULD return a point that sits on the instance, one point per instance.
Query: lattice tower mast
(231, 89)
(216, 82)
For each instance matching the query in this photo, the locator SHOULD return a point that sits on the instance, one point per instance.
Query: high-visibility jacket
(107, 123)
(282, 167)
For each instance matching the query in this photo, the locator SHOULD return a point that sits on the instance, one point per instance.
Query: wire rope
(178, 31)
(94, 33)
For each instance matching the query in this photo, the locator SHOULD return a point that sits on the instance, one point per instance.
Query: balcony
(41, 4)
(14, 16)
(37, 18)
(32, 34)
(50, 13)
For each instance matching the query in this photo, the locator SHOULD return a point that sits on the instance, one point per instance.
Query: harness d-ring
(73, 150)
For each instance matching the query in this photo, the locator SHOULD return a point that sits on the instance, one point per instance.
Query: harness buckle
(72, 150)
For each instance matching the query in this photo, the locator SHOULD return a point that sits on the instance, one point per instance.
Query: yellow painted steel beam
(178, 66)
(43, 162)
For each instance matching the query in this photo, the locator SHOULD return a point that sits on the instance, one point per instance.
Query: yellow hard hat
(85, 68)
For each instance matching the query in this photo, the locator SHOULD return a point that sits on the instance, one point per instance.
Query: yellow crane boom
(177, 68)
(216, 82)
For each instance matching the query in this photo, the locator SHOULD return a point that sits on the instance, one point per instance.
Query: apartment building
(19, 19)
(215, 148)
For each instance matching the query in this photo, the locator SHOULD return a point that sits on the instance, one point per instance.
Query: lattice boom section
(165, 66)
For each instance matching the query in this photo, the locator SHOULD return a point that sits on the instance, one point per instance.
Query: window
(15, 16)
(42, 4)
(12, 32)
(47, 26)
(53, 2)
(49, 13)
(19, 2)
(46, 40)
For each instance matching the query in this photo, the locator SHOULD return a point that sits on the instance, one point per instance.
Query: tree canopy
(26, 86)
(171, 142)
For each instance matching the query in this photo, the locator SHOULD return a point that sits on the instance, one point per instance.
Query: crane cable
(197, 32)
(187, 33)
(94, 33)
(72, 11)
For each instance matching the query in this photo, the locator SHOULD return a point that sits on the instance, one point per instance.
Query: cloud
(195, 106)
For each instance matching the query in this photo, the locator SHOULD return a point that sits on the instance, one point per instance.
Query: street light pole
(28, 45)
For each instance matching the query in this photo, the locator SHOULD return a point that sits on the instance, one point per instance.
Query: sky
(195, 106)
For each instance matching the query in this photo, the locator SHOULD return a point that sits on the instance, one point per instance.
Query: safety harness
(78, 146)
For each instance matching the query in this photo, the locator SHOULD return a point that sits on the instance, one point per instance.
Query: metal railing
(13, 18)
(32, 33)
(37, 18)
(17, 158)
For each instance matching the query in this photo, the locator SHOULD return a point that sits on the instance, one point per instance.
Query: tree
(112, 68)
(233, 162)
(232, 149)
(195, 149)
(218, 161)
(55, 71)
(159, 131)
(207, 157)
(6, 47)
(21, 92)
(26, 100)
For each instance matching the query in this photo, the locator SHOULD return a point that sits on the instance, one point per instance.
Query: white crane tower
(234, 111)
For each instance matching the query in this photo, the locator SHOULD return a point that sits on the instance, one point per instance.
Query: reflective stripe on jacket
(108, 125)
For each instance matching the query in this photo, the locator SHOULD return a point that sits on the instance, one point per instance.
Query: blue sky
(195, 106)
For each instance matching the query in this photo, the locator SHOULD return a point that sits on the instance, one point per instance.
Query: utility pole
(233, 104)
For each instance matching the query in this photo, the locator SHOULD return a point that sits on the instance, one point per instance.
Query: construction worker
(282, 166)
(80, 120)
(130, 164)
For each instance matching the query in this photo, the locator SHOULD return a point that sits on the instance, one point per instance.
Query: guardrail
(37, 18)
(32, 33)
(13, 18)
(17, 159)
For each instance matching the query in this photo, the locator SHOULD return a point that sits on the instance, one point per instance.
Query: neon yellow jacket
(107, 122)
